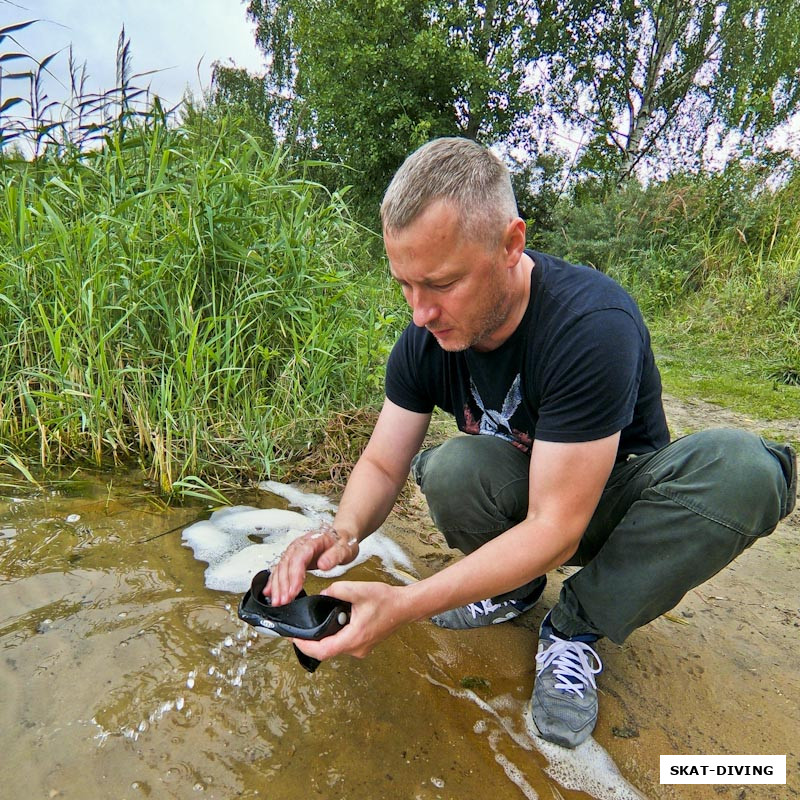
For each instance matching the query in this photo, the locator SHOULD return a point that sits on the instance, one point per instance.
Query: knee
(447, 474)
(735, 476)
(473, 484)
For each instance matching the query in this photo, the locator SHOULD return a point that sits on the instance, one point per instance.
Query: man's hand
(323, 549)
(378, 610)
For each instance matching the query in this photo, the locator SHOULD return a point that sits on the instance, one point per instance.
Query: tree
(538, 185)
(645, 81)
(235, 90)
(650, 78)
(372, 81)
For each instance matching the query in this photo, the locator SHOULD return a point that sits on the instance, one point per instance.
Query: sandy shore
(718, 675)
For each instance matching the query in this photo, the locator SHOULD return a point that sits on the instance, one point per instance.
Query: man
(549, 367)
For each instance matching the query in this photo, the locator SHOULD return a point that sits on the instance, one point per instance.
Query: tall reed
(183, 297)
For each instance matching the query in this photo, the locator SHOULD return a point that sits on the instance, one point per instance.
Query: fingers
(348, 641)
(342, 552)
(377, 611)
(319, 549)
(289, 573)
(328, 647)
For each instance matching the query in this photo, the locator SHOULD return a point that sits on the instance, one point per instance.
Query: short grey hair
(457, 171)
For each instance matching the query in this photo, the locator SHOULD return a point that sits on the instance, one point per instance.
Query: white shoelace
(485, 607)
(571, 662)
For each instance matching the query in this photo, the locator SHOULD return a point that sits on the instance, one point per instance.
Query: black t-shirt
(578, 367)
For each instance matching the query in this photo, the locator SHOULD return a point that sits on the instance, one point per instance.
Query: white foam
(588, 768)
(514, 774)
(311, 504)
(225, 540)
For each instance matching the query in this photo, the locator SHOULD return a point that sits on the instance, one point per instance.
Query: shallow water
(123, 676)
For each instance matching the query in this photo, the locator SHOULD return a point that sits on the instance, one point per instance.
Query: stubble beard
(491, 318)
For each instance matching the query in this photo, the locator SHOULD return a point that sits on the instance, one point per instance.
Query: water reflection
(123, 676)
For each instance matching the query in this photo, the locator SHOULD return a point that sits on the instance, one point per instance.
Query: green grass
(734, 343)
(714, 368)
(714, 262)
(192, 300)
(185, 298)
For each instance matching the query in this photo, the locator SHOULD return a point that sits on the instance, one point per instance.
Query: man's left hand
(377, 611)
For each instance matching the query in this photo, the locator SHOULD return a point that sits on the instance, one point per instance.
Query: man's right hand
(371, 491)
(323, 549)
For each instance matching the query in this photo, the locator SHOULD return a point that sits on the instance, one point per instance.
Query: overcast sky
(168, 35)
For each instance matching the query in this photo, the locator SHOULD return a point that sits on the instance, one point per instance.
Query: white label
(723, 769)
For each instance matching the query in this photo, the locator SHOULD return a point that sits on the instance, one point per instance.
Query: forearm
(519, 555)
(510, 560)
(368, 499)
(566, 482)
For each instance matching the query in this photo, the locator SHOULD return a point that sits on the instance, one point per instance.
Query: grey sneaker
(564, 702)
(489, 612)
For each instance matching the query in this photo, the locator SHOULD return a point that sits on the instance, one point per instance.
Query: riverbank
(715, 676)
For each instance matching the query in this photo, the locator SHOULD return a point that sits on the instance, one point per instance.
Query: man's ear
(514, 241)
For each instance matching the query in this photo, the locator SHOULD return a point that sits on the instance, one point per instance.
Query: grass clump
(188, 298)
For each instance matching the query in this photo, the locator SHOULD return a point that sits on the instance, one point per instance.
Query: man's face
(459, 289)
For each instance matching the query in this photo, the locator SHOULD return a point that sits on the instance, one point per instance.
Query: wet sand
(123, 676)
(718, 675)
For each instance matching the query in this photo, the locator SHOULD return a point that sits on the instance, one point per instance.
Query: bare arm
(381, 472)
(368, 498)
(566, 481)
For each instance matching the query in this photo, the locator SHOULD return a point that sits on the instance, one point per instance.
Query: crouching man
(548, 368)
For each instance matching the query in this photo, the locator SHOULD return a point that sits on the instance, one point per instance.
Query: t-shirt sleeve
(590, 388)
(403, 384)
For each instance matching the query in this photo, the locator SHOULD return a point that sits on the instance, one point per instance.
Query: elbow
(564, 537)
(569, 551)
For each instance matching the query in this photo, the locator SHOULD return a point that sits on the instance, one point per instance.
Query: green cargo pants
(666, 522)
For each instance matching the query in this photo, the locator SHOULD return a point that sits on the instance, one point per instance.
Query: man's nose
(424, 310)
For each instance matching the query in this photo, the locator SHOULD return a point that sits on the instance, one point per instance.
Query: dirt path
(718, 675)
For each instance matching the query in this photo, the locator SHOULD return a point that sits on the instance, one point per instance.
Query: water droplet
(73, 517)
(190, 683)
(228, 641)
(438, 783)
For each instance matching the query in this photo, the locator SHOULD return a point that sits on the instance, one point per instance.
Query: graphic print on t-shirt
(491, 422)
